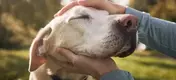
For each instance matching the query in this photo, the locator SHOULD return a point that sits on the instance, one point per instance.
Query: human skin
(156, 26)
(86, 65)
(99, 4)
(83, 64)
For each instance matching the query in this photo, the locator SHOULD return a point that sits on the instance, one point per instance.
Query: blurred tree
(164, 9)
(20, 19)
(143, 5)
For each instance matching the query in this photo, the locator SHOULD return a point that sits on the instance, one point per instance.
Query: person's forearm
(117, 75)
(156, 33)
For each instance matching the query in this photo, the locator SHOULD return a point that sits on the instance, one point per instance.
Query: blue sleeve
(117, 75)
(153, 32)
(156, 33)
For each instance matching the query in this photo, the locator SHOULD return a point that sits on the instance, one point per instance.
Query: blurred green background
(21, 19)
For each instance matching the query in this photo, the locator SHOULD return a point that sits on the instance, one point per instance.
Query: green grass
(149, 67)
(14, 64)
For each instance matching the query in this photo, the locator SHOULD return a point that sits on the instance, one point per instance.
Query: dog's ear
(36, 60)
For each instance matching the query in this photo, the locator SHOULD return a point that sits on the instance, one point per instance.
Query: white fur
(93, 37)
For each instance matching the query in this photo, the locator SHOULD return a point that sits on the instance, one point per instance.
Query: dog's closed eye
(85, 16)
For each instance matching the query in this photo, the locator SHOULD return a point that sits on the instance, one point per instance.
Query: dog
(85, 31)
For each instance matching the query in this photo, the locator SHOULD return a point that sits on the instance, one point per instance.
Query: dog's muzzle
(128, 26)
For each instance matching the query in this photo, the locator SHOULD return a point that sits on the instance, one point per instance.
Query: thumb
(67, 54)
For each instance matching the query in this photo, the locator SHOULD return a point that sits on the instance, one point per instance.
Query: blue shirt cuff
(117, 75)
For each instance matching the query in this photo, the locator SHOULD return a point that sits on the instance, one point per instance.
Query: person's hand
(99, 4)
(86, 65)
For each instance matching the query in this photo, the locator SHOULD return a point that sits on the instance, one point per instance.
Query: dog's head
(86, 31)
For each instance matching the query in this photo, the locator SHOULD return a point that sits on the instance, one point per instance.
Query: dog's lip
(125, 53)
(132, 47)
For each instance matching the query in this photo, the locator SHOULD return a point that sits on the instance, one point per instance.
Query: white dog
(85, 31)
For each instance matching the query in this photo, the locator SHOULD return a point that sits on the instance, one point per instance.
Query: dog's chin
(112, 53)
(128, 51)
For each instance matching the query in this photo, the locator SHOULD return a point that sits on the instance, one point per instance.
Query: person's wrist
(102, 72)
(113, 8)
(119, 8)
(109, 7)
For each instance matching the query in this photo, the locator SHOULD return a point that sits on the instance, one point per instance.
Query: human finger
(66, 8)
(67, 54)
(72, 68)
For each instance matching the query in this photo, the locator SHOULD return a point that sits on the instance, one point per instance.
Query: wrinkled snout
(128, 21)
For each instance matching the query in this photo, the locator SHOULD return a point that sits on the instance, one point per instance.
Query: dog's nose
(129, 22)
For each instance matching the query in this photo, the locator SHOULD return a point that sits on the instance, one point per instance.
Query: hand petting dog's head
(86, 31)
